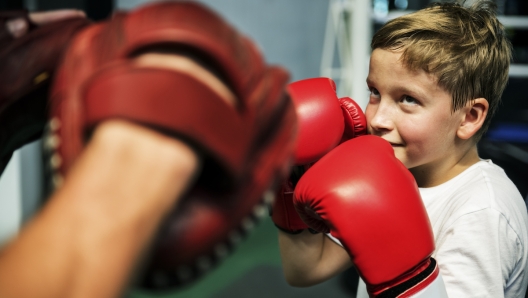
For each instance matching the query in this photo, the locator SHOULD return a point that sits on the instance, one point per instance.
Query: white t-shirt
(480, 224)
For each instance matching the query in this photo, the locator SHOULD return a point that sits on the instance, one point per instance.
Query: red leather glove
(324, 122)
(27, 64)
(246, 142)
(367, 199)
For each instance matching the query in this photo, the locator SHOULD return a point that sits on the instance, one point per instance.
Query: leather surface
(28, 64)
(367, 199)
(324, 121)
(247, 148)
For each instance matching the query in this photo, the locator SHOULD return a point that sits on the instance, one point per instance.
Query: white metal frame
(348, 32)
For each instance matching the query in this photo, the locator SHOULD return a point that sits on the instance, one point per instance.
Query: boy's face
(409, 109)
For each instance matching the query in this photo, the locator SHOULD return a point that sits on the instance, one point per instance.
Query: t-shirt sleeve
(334, 239)
(477, 254)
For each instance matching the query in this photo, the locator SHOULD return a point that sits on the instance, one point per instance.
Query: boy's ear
(475, 113)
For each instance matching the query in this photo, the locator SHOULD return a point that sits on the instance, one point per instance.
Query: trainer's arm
(309, 259)
(85, 241)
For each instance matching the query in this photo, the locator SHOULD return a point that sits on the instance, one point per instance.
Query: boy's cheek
(400, 155)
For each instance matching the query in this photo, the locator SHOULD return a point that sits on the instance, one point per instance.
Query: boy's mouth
(395, 144)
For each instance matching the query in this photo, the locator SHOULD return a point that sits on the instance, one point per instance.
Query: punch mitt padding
(247, 144)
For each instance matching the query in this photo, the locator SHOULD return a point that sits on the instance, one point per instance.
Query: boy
(436, 77)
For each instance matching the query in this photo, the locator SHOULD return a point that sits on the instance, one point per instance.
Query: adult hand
(20, 26)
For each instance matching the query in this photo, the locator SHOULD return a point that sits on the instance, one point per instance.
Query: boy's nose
(379, 118)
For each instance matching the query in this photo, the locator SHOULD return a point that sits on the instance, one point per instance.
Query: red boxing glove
(324, 122)
(367, 199)
(324, 119)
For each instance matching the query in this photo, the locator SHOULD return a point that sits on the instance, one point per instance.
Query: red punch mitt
(27, 64)
(247, 144)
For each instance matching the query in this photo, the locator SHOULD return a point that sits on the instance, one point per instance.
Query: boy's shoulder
(482, 184)
(486, 185)
(479, 220)
(482, 187)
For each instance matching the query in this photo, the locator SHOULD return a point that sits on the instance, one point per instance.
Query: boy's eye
(406, 99)
(374, 92)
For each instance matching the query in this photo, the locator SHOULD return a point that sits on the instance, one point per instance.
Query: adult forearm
(86, 240)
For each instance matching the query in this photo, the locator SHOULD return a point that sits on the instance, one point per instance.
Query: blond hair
(466, 48)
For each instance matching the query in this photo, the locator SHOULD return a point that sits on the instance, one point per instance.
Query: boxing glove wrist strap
(422, 276)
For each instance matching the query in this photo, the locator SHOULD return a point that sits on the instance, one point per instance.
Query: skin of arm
(85, 241)
(309, 259)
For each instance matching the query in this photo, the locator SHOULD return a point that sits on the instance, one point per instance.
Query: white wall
(10, 199)
(289, 32)
(20, 189)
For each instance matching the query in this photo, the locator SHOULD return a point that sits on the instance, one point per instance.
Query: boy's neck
(444, 170)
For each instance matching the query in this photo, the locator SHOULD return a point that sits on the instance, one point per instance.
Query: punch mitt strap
(177, 103)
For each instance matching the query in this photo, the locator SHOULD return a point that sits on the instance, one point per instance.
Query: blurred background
(310, 38)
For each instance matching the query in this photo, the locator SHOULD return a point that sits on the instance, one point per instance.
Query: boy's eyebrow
(415, 91)
(418, 92)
